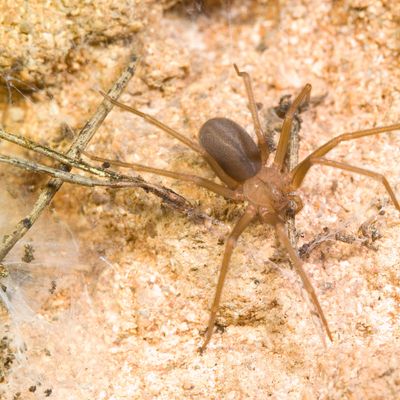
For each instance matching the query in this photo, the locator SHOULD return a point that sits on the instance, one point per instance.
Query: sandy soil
(123, 316)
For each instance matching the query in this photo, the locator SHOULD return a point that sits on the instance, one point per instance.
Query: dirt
(118, 295)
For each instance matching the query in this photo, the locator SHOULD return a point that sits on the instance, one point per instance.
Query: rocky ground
(114, 304)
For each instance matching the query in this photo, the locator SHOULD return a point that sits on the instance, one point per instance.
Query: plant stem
(77, 147)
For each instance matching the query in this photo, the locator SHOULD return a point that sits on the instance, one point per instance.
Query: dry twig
(71, 159)
(77, 146)
(116, 180)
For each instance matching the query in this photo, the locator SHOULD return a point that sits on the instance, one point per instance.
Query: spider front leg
(300, 171)
(360, 171)
(240, 226)
(303, 97)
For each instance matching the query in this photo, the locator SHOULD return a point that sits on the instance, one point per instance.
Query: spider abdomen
(231, 147)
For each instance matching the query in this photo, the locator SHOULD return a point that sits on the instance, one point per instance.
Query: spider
(242, 167)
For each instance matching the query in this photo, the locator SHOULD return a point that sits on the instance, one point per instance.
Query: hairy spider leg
(262, 145)
(193, 145)
(283, 238)
(361, 171)
(301, 99)
(199, 181)
(300, 171)
(240, 226)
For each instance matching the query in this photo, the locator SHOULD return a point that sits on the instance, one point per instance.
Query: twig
(67, 176)
(325, 236)
(77, 146)
(168, 196)
(291, 161)
(366, 236)
(53, 154)
(116, 181)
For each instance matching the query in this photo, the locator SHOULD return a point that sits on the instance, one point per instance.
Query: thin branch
(64, 175)
(77, 146)
(115, 180)
(75, 179)
(291, 161)
(53, 154)
(167, 195)
(367, 235)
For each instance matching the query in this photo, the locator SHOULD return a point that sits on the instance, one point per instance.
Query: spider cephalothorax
(270, 189)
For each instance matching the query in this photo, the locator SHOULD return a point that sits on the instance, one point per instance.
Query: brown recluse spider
(242, 166)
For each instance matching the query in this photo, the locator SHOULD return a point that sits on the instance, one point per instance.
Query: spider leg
(197, 180)
(193, 145)
(240, 226)
(32, 88)
(375, 175)
(300, 171)
(20, 92)
(280, 230)
(9, 93)
(254, 113)
(301, 99)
